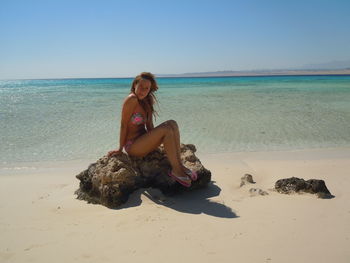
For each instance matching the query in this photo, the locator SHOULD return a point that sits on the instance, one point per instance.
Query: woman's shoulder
(131, 100)
(131, 97)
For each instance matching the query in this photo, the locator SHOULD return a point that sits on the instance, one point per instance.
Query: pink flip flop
(191, 174)
(179, 179)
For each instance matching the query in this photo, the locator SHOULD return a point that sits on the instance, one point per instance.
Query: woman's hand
(114, 152)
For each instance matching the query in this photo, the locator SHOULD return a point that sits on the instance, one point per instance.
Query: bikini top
(137, 118)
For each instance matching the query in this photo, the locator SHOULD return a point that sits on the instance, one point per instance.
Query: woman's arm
(149, 124)
(128, 108)
(122, 136)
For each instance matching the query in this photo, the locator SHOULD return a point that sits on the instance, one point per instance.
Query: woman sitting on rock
(138, 136)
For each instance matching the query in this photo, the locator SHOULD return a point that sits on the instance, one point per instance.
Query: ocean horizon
(78, 119)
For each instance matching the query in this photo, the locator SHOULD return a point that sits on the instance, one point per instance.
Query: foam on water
(58, 120)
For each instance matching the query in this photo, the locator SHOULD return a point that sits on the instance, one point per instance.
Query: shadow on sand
(194, 202)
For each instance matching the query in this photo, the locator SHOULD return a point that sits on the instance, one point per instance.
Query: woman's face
(142, 88)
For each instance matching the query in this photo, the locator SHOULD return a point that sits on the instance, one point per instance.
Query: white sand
(41, 221)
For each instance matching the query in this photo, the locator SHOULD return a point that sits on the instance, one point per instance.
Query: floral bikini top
(137, 118)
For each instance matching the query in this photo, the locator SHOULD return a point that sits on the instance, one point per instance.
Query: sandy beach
(258, 88)
(42, 221)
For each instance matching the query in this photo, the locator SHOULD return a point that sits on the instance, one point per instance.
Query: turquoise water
(78, 119)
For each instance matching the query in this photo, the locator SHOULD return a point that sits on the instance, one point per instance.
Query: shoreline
(220, 74)
(272, 73)
(47, 167)
(41, 216)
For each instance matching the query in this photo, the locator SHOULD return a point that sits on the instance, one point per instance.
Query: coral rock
(247, 179)
(297, 185)
(110, 181)
(257, 191)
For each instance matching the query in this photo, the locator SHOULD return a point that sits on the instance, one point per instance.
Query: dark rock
(110, 181)
(296, 185)
(247, 179)
(257, 191)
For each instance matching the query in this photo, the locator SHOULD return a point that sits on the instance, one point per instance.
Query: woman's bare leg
(175, 128)
(148, 142)
(177, 141)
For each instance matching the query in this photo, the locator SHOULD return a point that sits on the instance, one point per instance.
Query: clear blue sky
(91, 38)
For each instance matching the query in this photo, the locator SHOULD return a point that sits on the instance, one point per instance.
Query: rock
(247, 179)
(257, 191)
(297, 185)
(110, 181)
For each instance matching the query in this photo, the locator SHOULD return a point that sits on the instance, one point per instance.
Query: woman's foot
(181, 178)
(191, 174)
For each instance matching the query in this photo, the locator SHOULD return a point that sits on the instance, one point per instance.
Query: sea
(79, 119)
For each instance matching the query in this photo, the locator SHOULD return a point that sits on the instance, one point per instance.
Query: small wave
(19, 168)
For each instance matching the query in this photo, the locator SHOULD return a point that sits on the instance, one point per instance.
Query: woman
(138, 136)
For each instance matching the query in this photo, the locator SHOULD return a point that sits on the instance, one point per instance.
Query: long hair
(148, 102)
